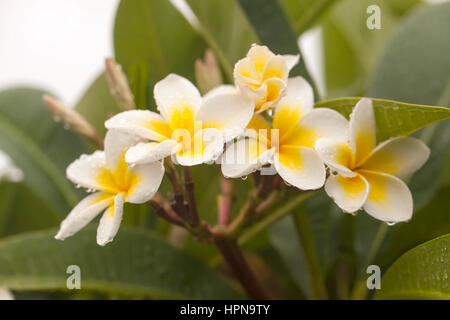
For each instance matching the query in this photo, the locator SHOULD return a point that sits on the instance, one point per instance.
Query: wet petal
(207, 145)
(229, 113)
(300, 167)
(244, 157)
(85, 170)
(150, 152)
(349, 194)
(148, 178)
(173, 94)
(143, 123)
(83, 213)
(116, 146)
(110, 222)
(336, 154)
(389, 198)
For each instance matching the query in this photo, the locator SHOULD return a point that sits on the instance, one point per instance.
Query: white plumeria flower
(262, 76)
(115, 182)
(188, 126)
(289, 142)
(8, 171)
(367, 176)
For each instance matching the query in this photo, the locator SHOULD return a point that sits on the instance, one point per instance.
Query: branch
(190, 194)
(225, 200)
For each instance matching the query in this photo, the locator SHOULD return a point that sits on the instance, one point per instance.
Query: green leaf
(393, 118)
(154, 33)
(274, 30)
(21, 210)
(421, 273)
(415, 67)
(136, 263)
(97, 104)
(225, 29)
(39, 146)
(303, 13)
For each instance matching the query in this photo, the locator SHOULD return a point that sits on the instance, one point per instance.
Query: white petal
(245, 72)
(349, 194)
(400, 156)
(229, 113)
(244, 157)
(174, 92)
(116, 146)
(150, 152)
(222, 89)
(207, 146)
(362, 130)
(83, 213)
(389, 198)
(300, 94)
(143, 123)
(148, 179)
(276, 68)
(260, 56)
(300, 167)
(110, 222)
(291, 60)
(316, 124)
(85, 170)
(336, 154)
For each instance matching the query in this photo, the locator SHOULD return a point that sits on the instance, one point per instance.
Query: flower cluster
(265, 119)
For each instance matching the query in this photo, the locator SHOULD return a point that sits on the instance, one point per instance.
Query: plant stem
(232, 254)
(225, 200)
(305, 235)
(274, 217)
(172, 175)
(190, 194)
(360, 291)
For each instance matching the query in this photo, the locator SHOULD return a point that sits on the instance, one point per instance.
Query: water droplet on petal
(244, 178)
(390, 223)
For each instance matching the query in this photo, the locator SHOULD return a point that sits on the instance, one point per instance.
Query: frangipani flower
(192, 127)
(367, 176)
(289, 142)
(262, 76)
(115, 182)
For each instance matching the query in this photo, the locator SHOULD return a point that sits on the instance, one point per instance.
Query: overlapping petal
(147, 152)
(245, 156)
(175, 93)
(228, 112)
(400, 156)
(83, 213)
(336, 154)
(110, 221)
(362, 130)
(147, 179)
(143, 123)
(389, 198)
(300, 167)
(349, 193)
(207, 145)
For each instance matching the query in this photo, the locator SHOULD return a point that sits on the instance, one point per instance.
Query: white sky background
(60, 45)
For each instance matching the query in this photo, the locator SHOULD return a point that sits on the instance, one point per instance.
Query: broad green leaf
(415, 68)
(21, 210)
(421, 273)
(39, 146)
(303, 13)
(274, 30)
(97, 105)
(415, 65)
(155, 34)
(136, 263)
(225, 29)
(393, 118)
(350, 47)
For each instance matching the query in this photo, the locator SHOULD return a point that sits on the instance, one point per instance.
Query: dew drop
(390, 223)
(244, 178)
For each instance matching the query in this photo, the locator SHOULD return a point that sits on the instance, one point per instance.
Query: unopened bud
(207, 72)
(118, 85)
(71, 119)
